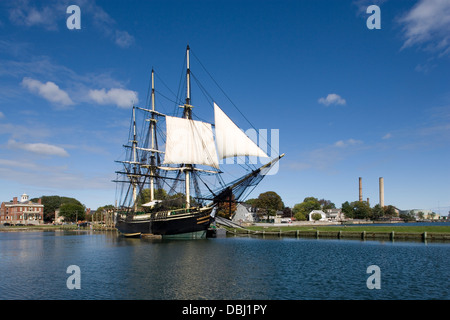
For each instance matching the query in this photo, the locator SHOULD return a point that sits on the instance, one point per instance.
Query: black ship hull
(191, 224)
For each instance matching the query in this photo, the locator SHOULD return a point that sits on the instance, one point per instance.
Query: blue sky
(348, 101)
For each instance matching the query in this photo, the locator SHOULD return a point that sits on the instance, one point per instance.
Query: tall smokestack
(360, 189)
(381, 192)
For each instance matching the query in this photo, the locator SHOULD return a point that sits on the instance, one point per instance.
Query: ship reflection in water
(34, 267)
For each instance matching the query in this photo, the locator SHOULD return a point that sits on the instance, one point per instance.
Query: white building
(335, 214)
(323, 215)
(244, 214)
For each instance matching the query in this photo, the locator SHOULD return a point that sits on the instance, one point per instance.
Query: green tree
(158, 194)
(253, 202)
(98, 215)
(72, 211)
(316, 216)
(302, 210)
(326, 204)
(377, 212)
(421, 215)
(390, 211)
(347, 209)
(270, 201)
(53, 203)
(361, 210)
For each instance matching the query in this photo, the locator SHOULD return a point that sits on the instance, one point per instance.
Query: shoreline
(42, 228)
(362, 231)
(324, 230)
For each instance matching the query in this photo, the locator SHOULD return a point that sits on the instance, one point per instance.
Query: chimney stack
(381, 192)
(360, 189)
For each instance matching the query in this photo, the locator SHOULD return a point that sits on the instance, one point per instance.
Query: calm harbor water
(33, 265)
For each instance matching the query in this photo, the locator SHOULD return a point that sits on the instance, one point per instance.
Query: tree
(361, 210)
(144, 196)
(316, 216)
(347, 209)
(390, 211)
(270, 201)
(377, 212)
(53, 203)
(302, 210)
(72, 211)
(287, 212)
(227, 207)
(253, 202)
(326, 204)
(98, 215)
(408, 216)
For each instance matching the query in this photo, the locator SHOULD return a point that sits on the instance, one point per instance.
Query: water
(33, 265)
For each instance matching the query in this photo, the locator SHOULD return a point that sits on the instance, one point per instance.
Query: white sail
(190, 142)
(232, 141)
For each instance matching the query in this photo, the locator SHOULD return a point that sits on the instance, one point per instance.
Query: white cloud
(332, 99)
(1, 115)
(428, 24)
(123, 39)
(346, 143)
(387, 136)
(52, 14)
(120, 97)
(22, 13)
(39, 148)
(49, 91)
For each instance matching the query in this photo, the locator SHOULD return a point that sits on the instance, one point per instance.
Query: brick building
(22, 212)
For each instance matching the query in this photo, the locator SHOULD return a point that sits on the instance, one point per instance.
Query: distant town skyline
(349, 98)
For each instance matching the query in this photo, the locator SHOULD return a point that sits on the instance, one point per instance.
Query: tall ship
(178, 170)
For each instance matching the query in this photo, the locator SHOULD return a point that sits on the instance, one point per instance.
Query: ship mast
(152, 130)
(187, 114)
(134, 146)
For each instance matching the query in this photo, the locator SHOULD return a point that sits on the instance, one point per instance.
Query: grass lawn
(355, 228)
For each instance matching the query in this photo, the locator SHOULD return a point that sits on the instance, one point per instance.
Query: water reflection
(33, 266)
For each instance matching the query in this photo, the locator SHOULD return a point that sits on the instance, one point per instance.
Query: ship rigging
(172, 179)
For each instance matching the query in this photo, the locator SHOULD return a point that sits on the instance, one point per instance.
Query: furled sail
(232, 141)
(190, 142)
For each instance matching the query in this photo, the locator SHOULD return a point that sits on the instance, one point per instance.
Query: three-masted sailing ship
(172, 186)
